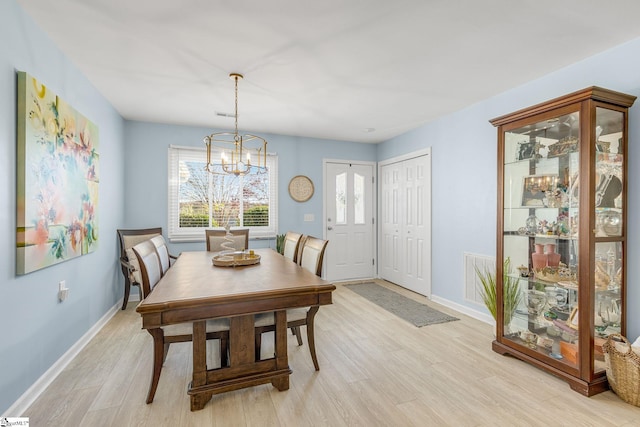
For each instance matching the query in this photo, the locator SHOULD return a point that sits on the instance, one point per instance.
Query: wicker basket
(623, 368)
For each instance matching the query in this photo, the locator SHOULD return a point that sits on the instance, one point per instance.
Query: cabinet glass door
(609, 204)
(540, 244)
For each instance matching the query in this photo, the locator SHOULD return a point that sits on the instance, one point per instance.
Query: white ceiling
(323, 68)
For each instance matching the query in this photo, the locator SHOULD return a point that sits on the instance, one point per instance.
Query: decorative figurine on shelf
(546, 227)
(523, 270)
(531, 225)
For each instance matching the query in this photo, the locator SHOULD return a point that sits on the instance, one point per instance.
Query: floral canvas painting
(57, 182)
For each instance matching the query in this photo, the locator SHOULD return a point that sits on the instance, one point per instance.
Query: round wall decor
(300, 188)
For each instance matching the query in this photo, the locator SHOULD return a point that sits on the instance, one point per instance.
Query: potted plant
(280, 243)
(511, 294)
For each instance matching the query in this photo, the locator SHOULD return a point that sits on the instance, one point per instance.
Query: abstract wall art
(57, 179)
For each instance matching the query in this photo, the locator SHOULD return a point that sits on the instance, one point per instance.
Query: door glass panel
(358, 198)
(341, 198)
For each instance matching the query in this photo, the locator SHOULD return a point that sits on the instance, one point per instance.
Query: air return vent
(472, 283)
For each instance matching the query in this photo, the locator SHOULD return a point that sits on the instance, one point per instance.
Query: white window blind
(199, 200)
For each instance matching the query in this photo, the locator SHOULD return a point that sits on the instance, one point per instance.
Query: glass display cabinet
(562, 233)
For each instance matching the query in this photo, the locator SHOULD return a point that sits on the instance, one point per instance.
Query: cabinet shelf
(569, 240)
(540, 236)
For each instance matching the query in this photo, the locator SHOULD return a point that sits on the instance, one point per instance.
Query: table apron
(174, 315)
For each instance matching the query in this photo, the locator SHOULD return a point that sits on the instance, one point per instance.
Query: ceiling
(352, 70)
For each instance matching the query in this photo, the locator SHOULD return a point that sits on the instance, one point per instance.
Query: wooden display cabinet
(562, 180)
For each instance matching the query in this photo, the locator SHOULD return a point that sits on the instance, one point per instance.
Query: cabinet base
(586, 388)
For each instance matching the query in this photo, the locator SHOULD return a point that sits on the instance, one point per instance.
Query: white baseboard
(478, 315)
(28, 397)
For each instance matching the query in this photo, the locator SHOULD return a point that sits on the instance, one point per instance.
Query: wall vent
(472, 283)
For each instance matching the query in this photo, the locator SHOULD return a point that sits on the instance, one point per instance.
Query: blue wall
(148, 143)
(464, 169)
(36, 330)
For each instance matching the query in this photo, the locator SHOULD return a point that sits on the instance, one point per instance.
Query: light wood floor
(375, 370)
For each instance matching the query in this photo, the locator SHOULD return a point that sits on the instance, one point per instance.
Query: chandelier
(238, 154)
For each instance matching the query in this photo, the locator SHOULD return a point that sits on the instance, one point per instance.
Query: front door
(349, 222)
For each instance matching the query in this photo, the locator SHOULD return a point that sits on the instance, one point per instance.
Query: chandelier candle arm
(239, 146)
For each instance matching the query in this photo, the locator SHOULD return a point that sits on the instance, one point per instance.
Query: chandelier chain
(236, 115)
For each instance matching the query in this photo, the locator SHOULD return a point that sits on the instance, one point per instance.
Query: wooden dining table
(194, 290)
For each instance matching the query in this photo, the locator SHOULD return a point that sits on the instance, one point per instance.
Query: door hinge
(373, 261)
(373, 220)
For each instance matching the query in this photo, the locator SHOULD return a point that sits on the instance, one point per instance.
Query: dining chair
(215, 239)
(151, 272)
(312, 259)
(291, 245)
(128, 238)
(163, 253)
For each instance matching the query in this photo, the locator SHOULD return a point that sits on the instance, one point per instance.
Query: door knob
(329, 228)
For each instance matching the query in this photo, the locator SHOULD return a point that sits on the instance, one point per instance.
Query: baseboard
(28, 397)
(478, 315)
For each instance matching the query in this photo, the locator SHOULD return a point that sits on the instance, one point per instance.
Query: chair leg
(127, 289)
(296, 332)
(258, 346)
(158, 358)
(224, 347)
(311, 314)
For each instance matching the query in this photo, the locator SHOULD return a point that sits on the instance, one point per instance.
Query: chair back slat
(291, 245)
(150, 267)
(303, 239)
(313, 254)
(163, 252)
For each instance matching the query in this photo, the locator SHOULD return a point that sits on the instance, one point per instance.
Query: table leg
(242, 340)
(282, 361)
(199, 338)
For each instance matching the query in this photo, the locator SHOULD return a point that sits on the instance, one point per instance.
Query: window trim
(196, 234)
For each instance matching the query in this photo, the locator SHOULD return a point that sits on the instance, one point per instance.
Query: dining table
(194, 290)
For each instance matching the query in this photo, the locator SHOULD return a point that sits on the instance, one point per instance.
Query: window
(199, 200)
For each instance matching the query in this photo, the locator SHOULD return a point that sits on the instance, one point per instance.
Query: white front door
(349, 222)
(405, 222)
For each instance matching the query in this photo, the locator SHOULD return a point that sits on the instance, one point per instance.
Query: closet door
(405, 244)
(391, 250)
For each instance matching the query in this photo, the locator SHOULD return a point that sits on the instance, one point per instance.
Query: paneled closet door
(390, 251)
(405, 249)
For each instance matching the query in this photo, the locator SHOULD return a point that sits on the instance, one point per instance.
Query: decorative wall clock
(300, 188)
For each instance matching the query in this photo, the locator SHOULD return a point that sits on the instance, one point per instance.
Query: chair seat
(213, 325)
(293, 315)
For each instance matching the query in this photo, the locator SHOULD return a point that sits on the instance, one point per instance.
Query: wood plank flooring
(375, 370)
